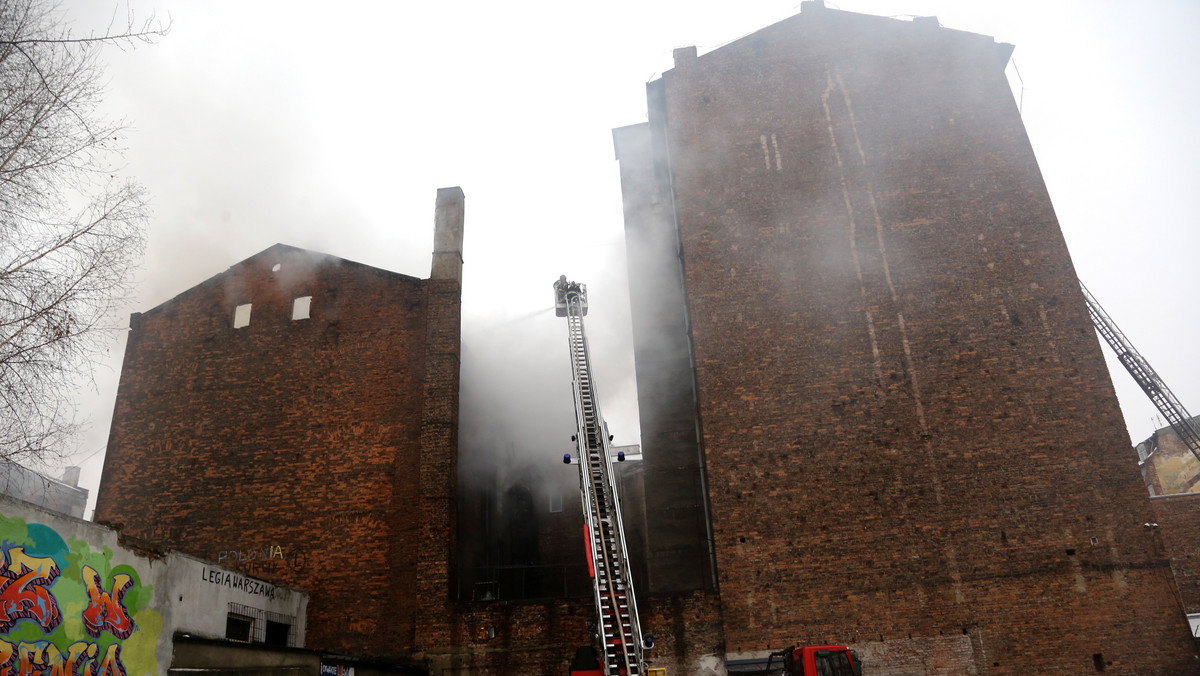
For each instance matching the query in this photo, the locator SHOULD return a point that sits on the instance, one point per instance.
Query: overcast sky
(331, 129)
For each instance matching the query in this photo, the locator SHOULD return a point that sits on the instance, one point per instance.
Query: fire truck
(816, 660)
(619, 631)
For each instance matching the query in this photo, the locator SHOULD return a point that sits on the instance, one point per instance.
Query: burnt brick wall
(669, 540)
(908, 426)
(1178, 519)
(292, 449)
(518, 639)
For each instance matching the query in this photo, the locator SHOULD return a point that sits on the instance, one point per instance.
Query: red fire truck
(817, 660)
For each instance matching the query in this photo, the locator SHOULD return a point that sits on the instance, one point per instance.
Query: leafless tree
(71, 230)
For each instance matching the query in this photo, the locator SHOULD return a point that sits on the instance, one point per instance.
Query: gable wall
(286, 448)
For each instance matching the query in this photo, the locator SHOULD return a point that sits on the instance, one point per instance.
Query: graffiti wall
(74, 602)
(65, 608)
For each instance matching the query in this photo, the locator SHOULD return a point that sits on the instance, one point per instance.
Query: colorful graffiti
(58, 618)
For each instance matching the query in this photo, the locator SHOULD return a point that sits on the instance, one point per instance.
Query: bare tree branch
(70, 231)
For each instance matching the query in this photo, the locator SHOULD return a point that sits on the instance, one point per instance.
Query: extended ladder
(620, 632)
(1154, 387)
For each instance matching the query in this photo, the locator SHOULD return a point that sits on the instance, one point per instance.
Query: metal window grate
(260, 619)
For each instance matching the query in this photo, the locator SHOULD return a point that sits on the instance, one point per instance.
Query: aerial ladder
(619, 631)
(1164, 400)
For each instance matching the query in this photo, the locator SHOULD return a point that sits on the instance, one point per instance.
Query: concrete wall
(908, 426)
(200, 657)
(57, 495)
(1168, 466)
(79, 591)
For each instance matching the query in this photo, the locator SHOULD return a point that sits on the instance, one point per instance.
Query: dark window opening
(277, 633)
(521, 526)
(1098, 661)
(254, 625)
(238, 628)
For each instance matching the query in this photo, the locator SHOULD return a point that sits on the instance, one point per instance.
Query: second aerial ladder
(1160, 395)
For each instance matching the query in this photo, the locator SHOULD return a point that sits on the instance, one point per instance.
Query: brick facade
(908, 428)
(1178, 518)
(316, 452)
(874, 408)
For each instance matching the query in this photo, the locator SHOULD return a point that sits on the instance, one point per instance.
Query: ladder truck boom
(620, 634)
(1154, 387)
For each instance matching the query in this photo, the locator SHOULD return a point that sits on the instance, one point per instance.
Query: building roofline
(811, 9)
(290, 250)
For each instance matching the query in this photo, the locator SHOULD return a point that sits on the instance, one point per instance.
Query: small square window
(277, 633)
(556, 502)
(301, 307)
(241, 316)
(238, 627)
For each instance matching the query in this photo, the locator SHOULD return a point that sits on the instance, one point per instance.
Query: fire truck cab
(818, 660)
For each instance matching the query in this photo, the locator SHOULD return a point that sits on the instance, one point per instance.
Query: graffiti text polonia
(231, 556)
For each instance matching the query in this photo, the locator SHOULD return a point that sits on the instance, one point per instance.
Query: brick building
(296, 417)
(874, 409)
(848, 277)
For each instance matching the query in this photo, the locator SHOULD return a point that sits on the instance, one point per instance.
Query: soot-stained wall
(908, 429)
(315, 451)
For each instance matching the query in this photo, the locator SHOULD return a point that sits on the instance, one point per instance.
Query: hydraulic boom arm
(620, 633)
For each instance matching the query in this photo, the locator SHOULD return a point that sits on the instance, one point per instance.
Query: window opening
(276, 633)
(241, 316)
(254, 625)
(238, 627)
(556, 502)
(300, 307)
